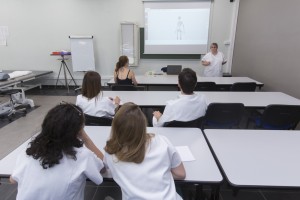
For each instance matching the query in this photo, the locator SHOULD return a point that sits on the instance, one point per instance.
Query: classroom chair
(189, 124)
(127, 88)
(223, 115)
(277, 117)
(243, 87)
(97, 121)
(206, 86)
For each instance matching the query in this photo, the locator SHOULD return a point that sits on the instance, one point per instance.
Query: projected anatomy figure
(180, 28)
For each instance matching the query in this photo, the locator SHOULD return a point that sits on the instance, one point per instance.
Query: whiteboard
(82, 51)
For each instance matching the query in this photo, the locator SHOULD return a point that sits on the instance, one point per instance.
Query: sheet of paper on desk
(185, 153)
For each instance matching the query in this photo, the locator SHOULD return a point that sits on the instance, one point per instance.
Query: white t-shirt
(152, 179)
(184, 108)
(100, 107)
(215, 67)
(64, 181)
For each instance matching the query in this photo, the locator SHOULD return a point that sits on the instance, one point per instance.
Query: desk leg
(58, 75)
(215, 193)
(65, 74)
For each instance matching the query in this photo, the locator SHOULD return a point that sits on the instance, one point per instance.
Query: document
(185, 153)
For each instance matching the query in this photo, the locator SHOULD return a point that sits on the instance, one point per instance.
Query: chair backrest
(97, 121)
(243, 87)
(280, 117)
(206, 86)
(223, 115)
(127, 88)
(189, 124)
(174, 69)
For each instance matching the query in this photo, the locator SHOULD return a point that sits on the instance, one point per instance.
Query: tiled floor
(15, 133)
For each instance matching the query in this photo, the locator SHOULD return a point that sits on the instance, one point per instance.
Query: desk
(172, 80)
(249, 99)
(22, 79)
(257, 158)
(203, 170)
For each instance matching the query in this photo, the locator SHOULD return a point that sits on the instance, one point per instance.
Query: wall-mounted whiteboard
(129, 42)
(82, 51)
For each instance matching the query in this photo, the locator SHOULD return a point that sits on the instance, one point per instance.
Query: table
(257, 158)
(249, 99)
(22, 79)
(172, 80)
(203, 170)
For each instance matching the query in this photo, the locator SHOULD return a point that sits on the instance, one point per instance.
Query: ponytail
(123, 60)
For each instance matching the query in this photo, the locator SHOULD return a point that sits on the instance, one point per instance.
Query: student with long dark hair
(144, 165)
(122, 74)
(91, 101)
(56, 164)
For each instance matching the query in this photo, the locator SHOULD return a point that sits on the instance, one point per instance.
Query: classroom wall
(36, 28)
(267, 44)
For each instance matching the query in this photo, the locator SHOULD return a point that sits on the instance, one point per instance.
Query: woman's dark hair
(91, 84)
(187, 80)
(123, 60)
(59, 135)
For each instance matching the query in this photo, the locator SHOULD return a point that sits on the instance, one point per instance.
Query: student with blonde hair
(91, 101)
(144, 165)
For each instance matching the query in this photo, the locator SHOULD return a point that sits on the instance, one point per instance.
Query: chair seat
(97, 121)
(188, 124)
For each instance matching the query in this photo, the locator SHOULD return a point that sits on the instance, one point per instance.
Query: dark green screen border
(163, 56)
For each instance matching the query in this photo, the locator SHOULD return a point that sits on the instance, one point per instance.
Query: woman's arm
(178, 172)
(205, 63)
(133, 78)
(90, 144)
(115, 76)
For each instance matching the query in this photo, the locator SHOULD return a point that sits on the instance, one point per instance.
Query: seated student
(122, 74)
(189, 106)
(56, 164)
(143, 165)
(91, 100)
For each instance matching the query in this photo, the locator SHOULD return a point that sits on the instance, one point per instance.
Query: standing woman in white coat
(213, 62)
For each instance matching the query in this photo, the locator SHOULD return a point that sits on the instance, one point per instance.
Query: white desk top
(249, 99)
(173, 80)
(203, 169)
(258, 158)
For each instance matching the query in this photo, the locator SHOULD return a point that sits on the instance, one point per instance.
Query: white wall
(267, 44)
(36, 28)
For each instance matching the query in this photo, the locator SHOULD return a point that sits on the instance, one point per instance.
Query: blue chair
(243, 87)
(189, 124)
(277, 117)
(97, 121)
(223, 115)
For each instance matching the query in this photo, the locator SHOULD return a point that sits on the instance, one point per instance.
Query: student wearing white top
(213, 62)
(56, 164)
(187, 107)
(144, 165)
(91, 100)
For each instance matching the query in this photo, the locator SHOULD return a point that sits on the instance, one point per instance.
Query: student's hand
(157, 114)
(117, 100)
(205, 63)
